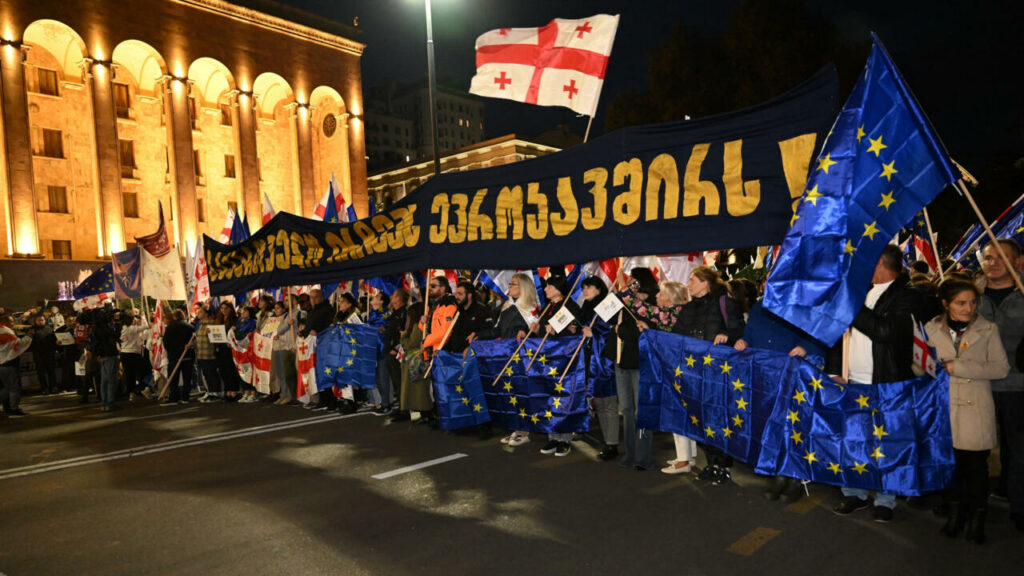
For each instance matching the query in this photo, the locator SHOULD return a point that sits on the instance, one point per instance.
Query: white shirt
(862, 364)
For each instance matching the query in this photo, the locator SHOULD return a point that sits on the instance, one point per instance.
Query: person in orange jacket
(439, 316)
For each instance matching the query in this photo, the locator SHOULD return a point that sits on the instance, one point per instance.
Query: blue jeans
(637, 442)
(883, 500)
(214, 387)
(382, 393)
(109, 382)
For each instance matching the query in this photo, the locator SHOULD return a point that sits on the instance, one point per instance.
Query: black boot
(955, 520)
(793, 491)
(976, 526)
(775, 488)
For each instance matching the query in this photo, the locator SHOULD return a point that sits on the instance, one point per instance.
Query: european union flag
(99, 282)
(880, 165)
(239, 234)
(346, 355)
(459, 393)
(787, 417)
(539, 400)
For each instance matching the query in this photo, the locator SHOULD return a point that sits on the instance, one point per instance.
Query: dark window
(130, 202)
(201, 210)
(233, 206)
(58, 198)
(225, 115)
(259, 170)
(60, 249)
(127, 150)
(229, 166)
(192, 111)
(47, 81)
(195, 161)
(384, 128)
(49, 143)
(122, 103)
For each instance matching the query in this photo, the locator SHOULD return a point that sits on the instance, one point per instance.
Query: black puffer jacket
(702, 317)
(627, 336)
(510, 322)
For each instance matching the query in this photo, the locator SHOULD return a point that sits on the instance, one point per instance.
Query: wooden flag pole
(541, 345)
(995, 241)
(587, 133)
(440, 346)
(578, 348)
(170, 378)
(846, 356)
(520, 347)
(935, 247)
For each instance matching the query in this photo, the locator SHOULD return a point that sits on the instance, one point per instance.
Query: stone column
(100, 78)
(183, 172)
(244, 111)
(345, 175)
(303, 165)
(17, 144)
(357, 164)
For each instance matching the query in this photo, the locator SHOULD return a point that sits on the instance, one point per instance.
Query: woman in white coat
(969, 348)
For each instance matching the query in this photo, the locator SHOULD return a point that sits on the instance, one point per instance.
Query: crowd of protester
(976, 324)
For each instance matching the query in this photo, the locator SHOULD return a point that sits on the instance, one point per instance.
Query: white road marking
(164, 446)
(420, 466)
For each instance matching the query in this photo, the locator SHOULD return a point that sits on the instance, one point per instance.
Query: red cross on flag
(560, 64)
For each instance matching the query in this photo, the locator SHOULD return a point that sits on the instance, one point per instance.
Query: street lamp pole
(432, 79)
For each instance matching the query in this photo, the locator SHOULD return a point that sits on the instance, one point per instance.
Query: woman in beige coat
(970, 350)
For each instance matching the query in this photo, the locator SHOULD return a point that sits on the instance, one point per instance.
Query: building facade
(460, 123)
(388, 187)
(109, 107)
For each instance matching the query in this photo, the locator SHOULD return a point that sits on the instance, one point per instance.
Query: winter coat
(510, 322)
(1009, 317)
(891, 330)
(978, 359)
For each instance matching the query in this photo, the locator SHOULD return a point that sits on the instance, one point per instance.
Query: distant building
(387, 187)
(398, 123)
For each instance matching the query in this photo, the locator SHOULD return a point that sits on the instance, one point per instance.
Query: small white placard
(216, 334)
(65, 338)
(609, 307)
(561, 319)
(80, 368)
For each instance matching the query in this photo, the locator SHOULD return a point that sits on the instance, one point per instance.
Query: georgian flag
(307, 369)
(262, 347)
(924, 353)
(560, 64)
(161, 277)
(11, 346)
(225, 231)
(158, 354)
(200, 276)
(240, 353)
(677, 267)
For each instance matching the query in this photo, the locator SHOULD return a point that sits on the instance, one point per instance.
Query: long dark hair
(602, 292)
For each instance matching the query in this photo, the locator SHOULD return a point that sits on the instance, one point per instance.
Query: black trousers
(971, 488)
(134, 372)
(395, 372)
(182, 383)
(90, 380)
(716, 457)
(1010, 420)
(45, 373)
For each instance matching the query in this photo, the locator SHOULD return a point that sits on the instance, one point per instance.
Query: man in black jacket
(392, 335)
(881, 350)
(177, 340)
(473, 317)
(103, 346)
(318, 319)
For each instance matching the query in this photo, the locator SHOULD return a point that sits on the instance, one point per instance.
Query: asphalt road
(259, 489)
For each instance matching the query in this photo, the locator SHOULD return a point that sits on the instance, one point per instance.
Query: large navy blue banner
(718, 182)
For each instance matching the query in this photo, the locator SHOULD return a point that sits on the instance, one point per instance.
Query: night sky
(963, 62)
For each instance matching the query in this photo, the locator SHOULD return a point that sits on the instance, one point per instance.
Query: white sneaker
(518, 440)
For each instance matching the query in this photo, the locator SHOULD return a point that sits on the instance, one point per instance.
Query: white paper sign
(609, 307)
(562, 319)
(80, 368)
(65, 338)
(216, 334)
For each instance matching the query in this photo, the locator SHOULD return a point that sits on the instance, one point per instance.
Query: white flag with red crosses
(560, 64)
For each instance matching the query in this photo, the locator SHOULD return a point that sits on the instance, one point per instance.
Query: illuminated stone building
(390, 186)
(108, 106)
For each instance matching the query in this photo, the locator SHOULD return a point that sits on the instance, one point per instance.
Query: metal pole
(432, 80)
